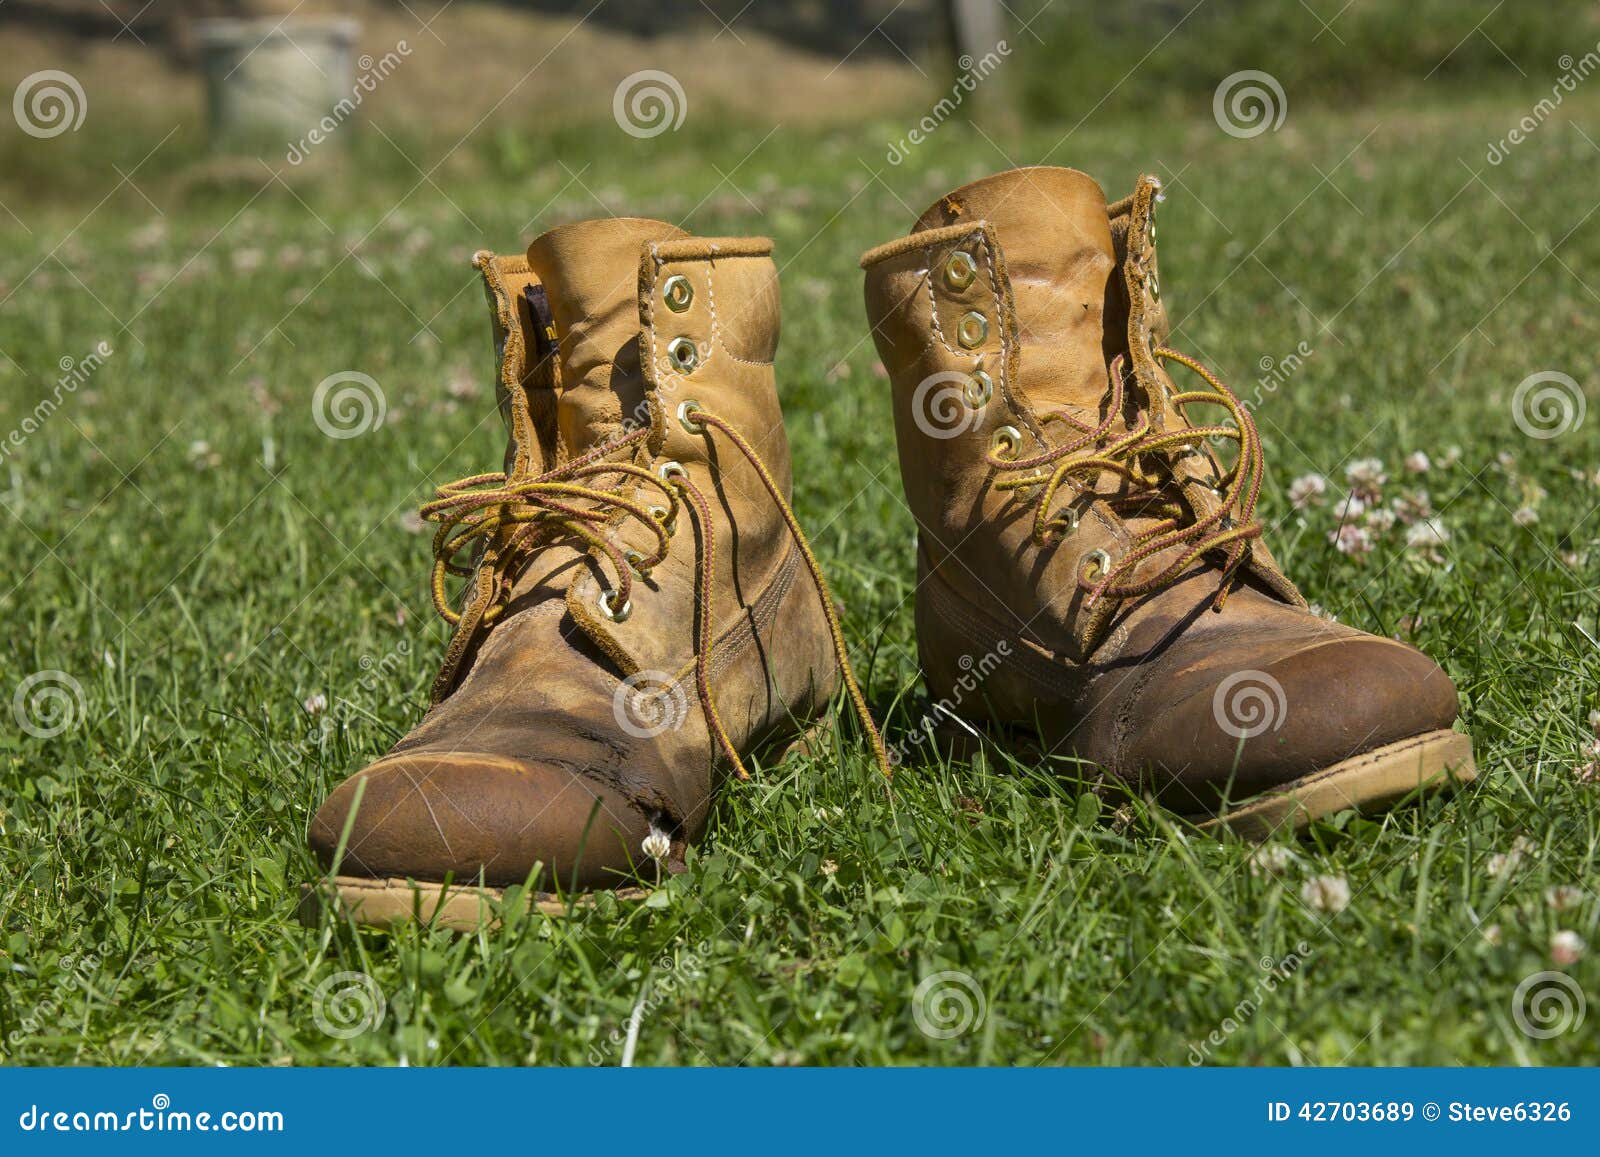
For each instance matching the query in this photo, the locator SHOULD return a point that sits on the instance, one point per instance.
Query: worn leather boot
(641, 612)
(1091, 574)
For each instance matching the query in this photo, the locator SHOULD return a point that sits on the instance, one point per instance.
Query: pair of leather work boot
(642, 614)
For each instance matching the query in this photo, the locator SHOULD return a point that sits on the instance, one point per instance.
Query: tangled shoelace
(512, 518)
(1141, 457)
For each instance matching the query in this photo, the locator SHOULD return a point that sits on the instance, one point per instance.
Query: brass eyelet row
(678, 294)
(668, 472)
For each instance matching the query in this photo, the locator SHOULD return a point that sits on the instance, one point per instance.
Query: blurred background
(241, 341)
(495, 84)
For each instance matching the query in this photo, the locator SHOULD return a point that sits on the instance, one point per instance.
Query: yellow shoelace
(1142, 458)
(512, 518)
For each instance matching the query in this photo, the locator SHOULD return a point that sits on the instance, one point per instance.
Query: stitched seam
(999, 309)
(650, 308)
(717, 338)
(980, 626)
(711, 297)
(761, 615)
(716, 330)
(742, 631)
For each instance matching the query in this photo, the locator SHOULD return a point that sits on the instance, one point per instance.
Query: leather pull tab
(544, 322)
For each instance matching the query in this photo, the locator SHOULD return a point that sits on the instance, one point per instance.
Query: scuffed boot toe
(1343, 722)
(479, 818)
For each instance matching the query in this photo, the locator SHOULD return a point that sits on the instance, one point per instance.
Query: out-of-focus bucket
(270, 82)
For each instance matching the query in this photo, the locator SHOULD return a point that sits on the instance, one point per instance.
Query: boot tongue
(589, 272)
(1052, 228)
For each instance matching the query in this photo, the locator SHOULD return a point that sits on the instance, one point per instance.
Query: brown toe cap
(474, 816)
(1235, 725)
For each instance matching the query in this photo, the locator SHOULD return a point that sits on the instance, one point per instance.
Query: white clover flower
(1502, 863)
(1307, 490)
(1352, 508)
(1429, 534)
(1563, 896)
(1329, 894)
(1272, 860)
(1567, 947)
(1366, 477)
(1355, 541)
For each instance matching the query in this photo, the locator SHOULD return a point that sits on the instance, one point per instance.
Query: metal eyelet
(1155, 286)
(978, 390)
(633, 559)
(1070, 514)
(1005, 442)
(685, 408)
(610, 610)
(1099, 560)
(669, 471)
(960, 269)
(973, 330)
(678, 293)
(683, 355)
(664, 516)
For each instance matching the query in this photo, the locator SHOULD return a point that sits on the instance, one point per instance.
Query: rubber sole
(1371, 781)
(387, 903)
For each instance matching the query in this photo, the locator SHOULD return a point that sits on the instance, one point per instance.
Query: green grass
(190, 549)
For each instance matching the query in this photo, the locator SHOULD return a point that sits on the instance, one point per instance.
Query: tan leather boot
(641, 612)
(1091, 574)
